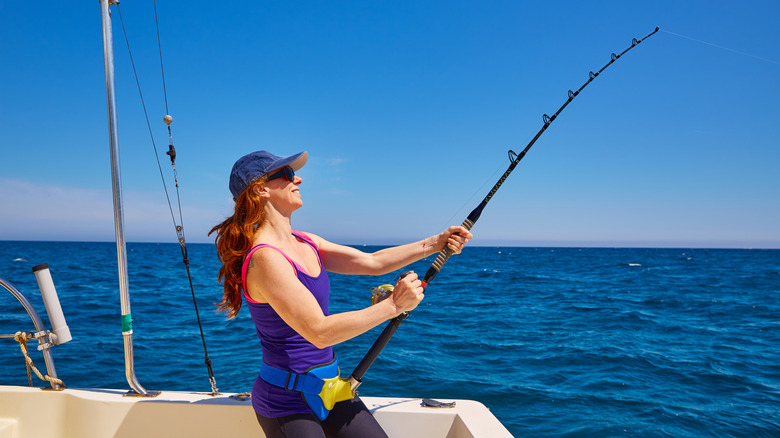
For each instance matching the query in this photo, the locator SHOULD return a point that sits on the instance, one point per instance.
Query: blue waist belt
(321, 386)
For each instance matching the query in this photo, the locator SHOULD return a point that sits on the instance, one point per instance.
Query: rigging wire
(172, 153)
(159, 48)
(143, 105)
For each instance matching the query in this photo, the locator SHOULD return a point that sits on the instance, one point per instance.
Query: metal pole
(121, 251)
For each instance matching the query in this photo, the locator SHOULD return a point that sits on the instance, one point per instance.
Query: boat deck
(99, 413)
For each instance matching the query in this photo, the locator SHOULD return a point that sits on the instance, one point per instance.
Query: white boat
(99, 413)
(57, 412)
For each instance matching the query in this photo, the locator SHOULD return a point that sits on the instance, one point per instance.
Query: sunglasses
(284, 172)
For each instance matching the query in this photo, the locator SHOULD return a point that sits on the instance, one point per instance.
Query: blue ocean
(557, 342)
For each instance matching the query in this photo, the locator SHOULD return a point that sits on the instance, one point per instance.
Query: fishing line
(444, 255)
(474, 193)
(172, 153)
(721, 47)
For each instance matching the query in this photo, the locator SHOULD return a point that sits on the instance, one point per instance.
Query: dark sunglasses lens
(284, 172)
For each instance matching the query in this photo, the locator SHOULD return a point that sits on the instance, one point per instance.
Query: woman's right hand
(408, 293)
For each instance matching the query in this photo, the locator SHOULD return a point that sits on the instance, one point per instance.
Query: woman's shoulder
(264, 258)
(323, 245)
(265, 251)
(308, 237)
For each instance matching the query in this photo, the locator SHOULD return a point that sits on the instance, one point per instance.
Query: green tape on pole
(127, 323)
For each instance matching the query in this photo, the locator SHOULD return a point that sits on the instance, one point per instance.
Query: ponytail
(234, 239)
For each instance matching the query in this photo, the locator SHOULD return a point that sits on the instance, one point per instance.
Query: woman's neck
(275, 228)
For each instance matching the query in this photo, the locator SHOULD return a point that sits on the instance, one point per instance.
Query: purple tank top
(282, 346)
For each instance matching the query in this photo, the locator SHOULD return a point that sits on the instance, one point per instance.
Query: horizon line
(499, 244)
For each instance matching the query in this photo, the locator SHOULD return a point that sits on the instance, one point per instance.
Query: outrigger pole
(356, 378)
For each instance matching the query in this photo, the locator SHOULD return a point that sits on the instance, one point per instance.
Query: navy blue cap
(254, 166)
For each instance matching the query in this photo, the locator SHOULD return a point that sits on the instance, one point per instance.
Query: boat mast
(121, 251)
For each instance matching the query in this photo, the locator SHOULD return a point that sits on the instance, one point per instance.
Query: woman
(280, 273)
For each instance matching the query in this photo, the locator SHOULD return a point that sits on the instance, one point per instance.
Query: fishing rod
(356, 378)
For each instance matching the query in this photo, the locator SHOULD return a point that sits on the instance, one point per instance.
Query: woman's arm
(271, 279)
(347, 260)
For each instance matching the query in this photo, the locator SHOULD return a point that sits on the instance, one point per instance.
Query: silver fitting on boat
(244, 396)
(46, 339)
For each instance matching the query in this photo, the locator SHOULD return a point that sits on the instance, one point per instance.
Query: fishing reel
(380, 293)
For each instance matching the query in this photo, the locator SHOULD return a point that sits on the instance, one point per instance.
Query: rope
(22, 338)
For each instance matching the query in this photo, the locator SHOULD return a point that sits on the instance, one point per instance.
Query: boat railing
(60, 332)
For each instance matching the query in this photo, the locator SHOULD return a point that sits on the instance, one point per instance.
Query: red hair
(234, 238)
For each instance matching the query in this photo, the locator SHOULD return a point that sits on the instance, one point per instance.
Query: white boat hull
(99, 413)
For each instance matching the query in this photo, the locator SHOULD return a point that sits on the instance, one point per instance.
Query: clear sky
(407, 109)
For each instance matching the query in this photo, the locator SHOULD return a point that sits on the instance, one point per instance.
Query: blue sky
(407, 110)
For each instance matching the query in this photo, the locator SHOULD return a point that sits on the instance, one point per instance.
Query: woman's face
(284, 192)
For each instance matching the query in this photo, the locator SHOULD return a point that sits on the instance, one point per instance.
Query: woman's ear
(260, 191)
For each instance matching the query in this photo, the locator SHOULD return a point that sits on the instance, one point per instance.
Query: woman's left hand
(454, 237)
